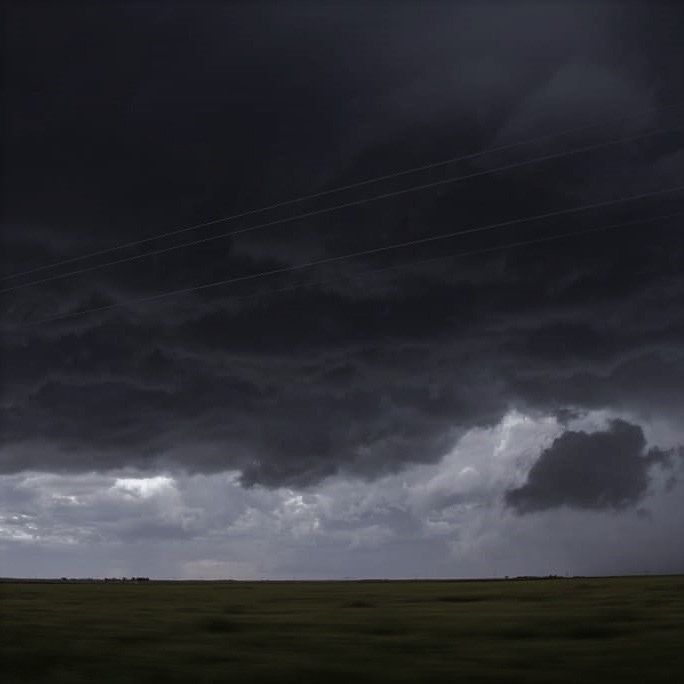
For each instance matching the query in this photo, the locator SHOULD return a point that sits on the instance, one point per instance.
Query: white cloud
(144, 487)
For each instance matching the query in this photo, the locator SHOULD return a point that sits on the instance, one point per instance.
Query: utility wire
(337, 207)
(446, 257)
(376, 250)
(323, 193)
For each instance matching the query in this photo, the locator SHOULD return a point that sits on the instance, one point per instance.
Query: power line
(323, 193)
(385, 269)
(446, 257)
(352, 203)
(376, 250)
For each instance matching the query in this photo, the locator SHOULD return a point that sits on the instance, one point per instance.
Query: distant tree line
(126, 579)
(106, 579)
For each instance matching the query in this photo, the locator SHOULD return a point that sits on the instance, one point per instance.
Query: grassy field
(564, 630)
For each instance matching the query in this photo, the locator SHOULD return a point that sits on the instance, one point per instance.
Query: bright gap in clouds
(447, 519)
(144, 487)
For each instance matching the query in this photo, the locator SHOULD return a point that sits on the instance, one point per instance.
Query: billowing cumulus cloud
(606, 469)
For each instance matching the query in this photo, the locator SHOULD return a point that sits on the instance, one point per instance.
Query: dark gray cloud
(601, 470)
(183, 113)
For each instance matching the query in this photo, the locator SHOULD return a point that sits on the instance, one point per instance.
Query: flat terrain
(564, 630)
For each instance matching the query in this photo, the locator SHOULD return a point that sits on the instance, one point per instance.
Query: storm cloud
(606, 469)
(362, 374)
(364, 369)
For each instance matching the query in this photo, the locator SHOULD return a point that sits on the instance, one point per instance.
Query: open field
(557, 630)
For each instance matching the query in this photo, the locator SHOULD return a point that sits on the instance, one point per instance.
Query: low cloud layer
(446, 519)
(600, 470)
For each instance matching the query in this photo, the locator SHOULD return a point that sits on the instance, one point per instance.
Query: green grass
(565, 630)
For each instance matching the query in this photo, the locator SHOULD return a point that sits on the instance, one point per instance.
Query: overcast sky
(460, 407)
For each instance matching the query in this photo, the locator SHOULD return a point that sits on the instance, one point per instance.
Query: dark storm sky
(125, 120)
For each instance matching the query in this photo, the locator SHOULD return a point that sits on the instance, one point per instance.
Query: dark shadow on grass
(219, 625)
(359, 604)
(235, 608)
(586, 631)
(465, 598)
(519, 633)
(384, 629)
(135, 639)
(594, 632)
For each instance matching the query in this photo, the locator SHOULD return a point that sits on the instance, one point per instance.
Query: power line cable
(353, 203)
(385, 269)
(323, 193)
(376, 250)
(472, 252)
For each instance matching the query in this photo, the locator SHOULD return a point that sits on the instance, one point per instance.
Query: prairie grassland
(532, 631)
